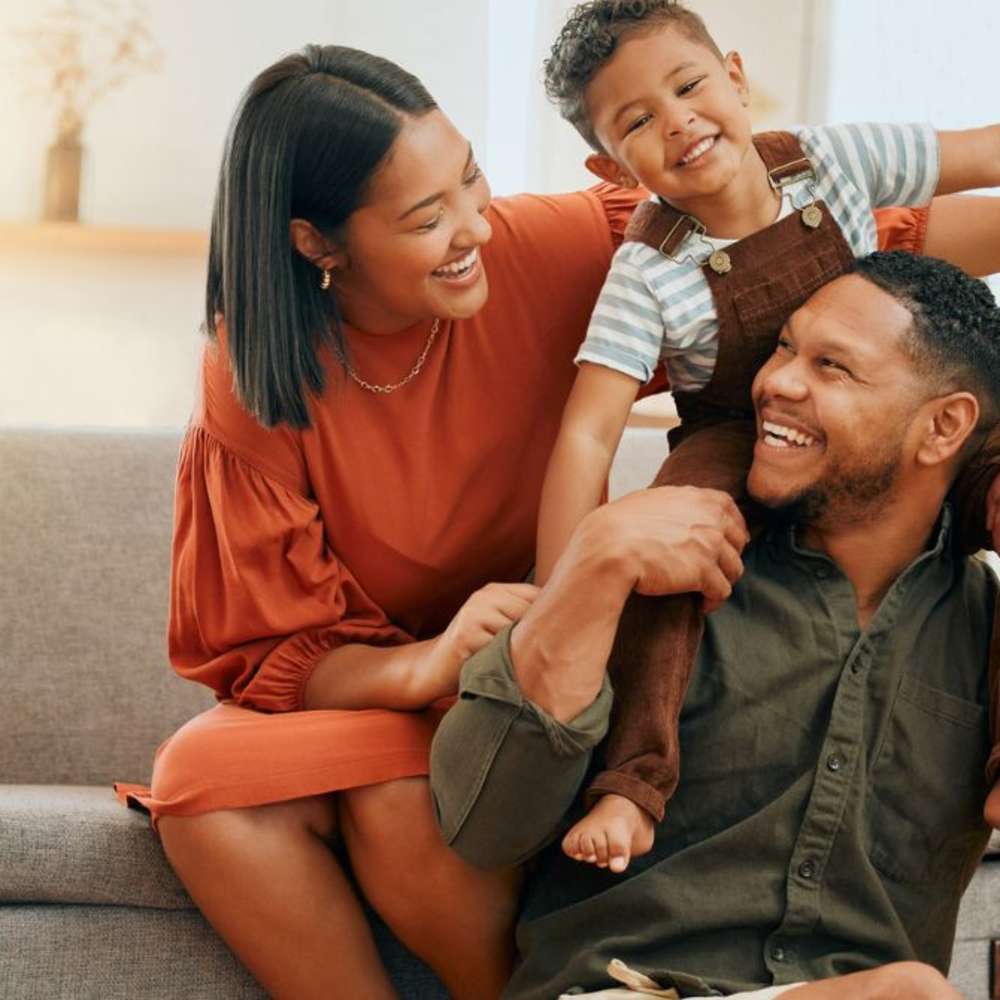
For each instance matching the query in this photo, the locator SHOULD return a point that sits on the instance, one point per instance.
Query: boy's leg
(650, 668)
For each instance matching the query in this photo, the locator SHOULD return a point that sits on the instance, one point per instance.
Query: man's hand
(674, 539)
(668, 540)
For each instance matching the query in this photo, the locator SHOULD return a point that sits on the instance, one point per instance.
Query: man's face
(834, 404)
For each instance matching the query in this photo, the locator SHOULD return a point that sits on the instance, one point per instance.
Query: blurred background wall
(99, 320)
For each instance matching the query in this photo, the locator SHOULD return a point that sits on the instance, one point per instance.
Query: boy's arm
(592, 425)
(969, 159)
(965, 230)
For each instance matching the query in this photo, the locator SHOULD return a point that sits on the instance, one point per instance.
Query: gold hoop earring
(326, 280)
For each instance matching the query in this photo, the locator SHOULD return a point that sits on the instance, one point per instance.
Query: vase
(62, 180)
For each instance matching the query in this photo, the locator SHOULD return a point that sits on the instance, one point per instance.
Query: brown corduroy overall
(756, 283)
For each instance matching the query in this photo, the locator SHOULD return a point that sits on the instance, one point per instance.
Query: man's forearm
(560, 648)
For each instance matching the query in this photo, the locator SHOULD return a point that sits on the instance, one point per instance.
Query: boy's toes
(571, 845)
(603, 849)
(619, 844)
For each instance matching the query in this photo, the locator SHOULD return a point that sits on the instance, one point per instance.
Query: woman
(366, 453)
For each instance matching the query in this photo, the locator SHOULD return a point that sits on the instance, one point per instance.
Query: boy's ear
(737, 75)
(603, 166)
(315, 247)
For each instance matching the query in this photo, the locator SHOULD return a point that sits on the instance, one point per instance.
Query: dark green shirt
(829, 812)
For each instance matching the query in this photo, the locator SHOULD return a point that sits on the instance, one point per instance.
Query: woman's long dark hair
(308, 135)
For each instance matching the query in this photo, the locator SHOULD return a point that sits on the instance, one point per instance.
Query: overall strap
(784, 158)
(663, 228)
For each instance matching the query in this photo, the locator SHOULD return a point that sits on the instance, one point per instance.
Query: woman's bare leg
(267, 880)
(458, 919)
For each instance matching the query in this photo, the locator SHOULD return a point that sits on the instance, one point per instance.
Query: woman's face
(412, 250)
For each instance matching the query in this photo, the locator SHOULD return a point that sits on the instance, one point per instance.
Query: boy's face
(672, 117)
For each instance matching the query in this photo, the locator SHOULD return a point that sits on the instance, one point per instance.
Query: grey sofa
(89, 908)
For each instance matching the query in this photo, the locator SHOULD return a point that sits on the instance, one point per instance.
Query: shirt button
(834, 762)
(807, 869)
(778, 953)
(856, 667)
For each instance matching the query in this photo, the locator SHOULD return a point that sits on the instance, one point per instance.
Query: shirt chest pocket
(926, 786)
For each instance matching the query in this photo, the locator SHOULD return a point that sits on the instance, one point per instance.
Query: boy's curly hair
(588, 40)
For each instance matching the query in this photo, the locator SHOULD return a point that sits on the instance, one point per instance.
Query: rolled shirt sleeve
(504, 772)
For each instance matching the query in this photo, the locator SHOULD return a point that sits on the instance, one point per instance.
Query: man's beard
(846, 494)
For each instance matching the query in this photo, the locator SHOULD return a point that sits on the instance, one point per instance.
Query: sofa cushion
(85, 526)
(54, 952)
(74, 844)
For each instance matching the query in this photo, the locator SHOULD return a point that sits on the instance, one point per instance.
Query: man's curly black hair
(954, 339)
(588, 40)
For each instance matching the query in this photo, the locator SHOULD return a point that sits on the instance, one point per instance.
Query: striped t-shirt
(654, 308)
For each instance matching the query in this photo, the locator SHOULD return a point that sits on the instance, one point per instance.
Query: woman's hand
(488, 611)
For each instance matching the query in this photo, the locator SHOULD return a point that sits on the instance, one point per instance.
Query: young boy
(741, 230)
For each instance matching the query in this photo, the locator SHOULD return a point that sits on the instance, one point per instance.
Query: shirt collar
(781, 535)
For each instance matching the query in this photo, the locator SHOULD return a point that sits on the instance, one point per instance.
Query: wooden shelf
(79, 238)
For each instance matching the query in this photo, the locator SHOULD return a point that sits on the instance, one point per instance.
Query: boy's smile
(673, 118)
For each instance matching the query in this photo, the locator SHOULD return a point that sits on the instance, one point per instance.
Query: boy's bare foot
(611, 834)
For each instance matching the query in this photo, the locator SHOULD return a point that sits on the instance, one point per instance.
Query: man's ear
(315, 247)
(945, 425)
(603, 166)
(737, 76)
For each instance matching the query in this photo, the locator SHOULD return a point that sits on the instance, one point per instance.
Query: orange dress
(375, 524)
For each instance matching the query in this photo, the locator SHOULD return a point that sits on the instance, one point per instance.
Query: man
(835, 734)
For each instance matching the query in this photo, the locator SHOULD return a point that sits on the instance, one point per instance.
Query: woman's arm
(969, 159)
(965, 230)
(266, 614)
(592, 426)
(414, 676)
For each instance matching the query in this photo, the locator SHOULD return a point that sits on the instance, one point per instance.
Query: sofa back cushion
(86, 693)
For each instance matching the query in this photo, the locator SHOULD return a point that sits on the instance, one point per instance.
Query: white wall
(153, 147)
(937, 64)
(915, 60)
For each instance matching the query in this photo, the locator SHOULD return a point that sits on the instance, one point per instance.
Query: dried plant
(82, 51)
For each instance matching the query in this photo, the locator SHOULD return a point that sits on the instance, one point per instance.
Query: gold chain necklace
(414, 371)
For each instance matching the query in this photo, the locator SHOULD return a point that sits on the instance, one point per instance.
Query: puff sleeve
(902, 228)
(256, 595)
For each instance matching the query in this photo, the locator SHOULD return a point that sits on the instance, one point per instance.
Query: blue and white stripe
(654, 309)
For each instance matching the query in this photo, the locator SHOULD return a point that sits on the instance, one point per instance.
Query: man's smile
(776, 431)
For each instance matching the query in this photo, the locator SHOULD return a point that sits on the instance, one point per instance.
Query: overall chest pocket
(762, 308)
(926, 787)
